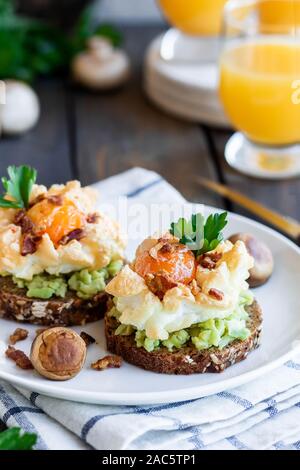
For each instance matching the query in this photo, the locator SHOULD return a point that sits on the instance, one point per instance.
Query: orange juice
(280, 14)
(196, 17)
(256, 88)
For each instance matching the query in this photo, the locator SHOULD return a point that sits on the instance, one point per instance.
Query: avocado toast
(185, 360)
(57, 252)
(183, 306)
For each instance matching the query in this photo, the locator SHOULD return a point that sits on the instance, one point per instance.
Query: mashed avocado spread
(215, 332)
(85, 283)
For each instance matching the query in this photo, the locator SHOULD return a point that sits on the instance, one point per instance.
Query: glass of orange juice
(191, 20)
(260, 86)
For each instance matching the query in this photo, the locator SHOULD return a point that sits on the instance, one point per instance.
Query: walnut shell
(263, 258)
(58, 353)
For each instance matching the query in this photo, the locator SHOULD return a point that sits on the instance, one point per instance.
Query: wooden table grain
(92, 136)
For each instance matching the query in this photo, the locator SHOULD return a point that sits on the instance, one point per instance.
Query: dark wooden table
(92, 136)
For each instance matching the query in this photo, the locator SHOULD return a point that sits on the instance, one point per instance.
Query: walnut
(58, 353)
(107, 362)
(18, 335)
(19, 357)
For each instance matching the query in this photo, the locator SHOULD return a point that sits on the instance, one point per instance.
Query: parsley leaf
(190, 232)
(213, 231)
(13, 439)
(18, 186)
(198, 234)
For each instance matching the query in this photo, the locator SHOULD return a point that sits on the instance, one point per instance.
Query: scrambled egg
(180, 308)
(102, 241)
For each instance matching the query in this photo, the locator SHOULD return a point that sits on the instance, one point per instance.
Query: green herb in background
(18, 186)
(198, 234)
(13, 439)
(29, 48)
(6, 7)
(85, 28)
(110, 32)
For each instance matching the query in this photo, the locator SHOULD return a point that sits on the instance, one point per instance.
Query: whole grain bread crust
(187, 360)
(67, 311)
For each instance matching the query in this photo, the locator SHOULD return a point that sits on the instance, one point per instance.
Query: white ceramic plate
(130, 385)
(188, 89)
(178, 106)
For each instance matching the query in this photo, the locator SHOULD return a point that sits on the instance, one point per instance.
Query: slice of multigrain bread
(67, 311)
(186, 360)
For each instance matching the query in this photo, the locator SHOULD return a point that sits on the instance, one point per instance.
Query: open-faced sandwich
(183, 306)
(56, 253)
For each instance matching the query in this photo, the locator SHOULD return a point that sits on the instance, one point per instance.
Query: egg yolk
(56, 220)
(178, 262)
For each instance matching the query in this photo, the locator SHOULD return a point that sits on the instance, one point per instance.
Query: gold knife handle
(285, 224)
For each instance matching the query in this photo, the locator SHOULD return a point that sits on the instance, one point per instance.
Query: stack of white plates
(187, 89)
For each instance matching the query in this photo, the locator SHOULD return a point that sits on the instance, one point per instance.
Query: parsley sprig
(14, 439)
(18, 187)
(198, 234)
(30, 48)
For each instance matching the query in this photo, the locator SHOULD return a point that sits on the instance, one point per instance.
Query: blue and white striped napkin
(263, 414)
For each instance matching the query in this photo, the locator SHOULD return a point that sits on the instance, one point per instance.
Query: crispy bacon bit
(107, 362)
(167, 248)
(209, 260)
(159, 283)
(19, 216)
(30, 239)
(207, 263)
(215, 256)
(88, 339)
(216, 294)
(30, 243)
(163, 246)
(92, 218)
(195, 289)
(19, 357)
(76, 234)
(56, 199)
(18, 335)
(23, 221)
(39, 198)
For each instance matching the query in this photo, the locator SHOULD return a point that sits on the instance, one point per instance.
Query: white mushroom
(21, 110)
(101, 67)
